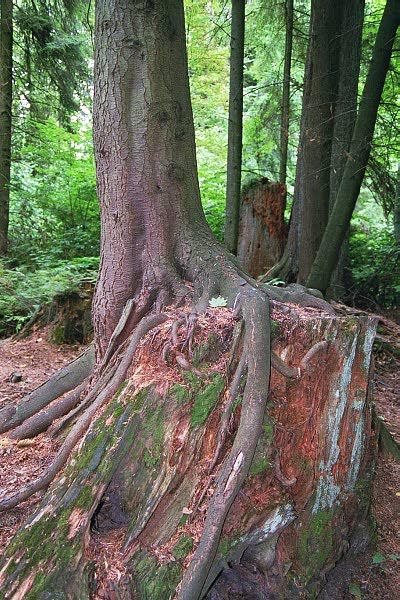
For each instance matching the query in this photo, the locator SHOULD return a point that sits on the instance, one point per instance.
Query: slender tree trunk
(234, 162)
(353, 175)
(6, 49)
(285, 115)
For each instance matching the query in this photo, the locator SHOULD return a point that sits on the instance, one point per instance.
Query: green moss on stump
(205, 400)
(261, 461)
(183, 547)
(316, 543)
(154, 581)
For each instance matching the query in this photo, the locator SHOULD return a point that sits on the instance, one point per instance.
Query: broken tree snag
(262, 229)
(179, 499)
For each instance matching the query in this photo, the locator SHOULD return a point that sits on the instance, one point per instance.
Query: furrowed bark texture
(145, 154)
(6, 63)
(235, 126)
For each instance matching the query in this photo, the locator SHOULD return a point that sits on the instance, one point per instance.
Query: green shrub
(22, 292)
(375, 268)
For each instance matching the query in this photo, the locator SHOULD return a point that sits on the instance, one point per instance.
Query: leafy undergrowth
(22, 291)
(373, 575)
(375, 272)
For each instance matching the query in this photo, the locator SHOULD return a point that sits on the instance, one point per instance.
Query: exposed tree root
(65, 380)
(255, 309)
(42, 420)
(227, 412)
(83, 423)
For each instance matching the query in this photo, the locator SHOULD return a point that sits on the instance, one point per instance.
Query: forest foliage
(54, 218)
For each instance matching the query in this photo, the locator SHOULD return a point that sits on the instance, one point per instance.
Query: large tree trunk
(186, 459)
(145, 157)
(234, 160)
(360, 148)
(6, 49)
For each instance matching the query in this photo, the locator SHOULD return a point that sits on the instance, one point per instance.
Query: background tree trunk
(234, 161)
(360, 148)
(396, 210)
(329, 101)
(285, 115)
(6, 61)
(345, 117)
(314, 159)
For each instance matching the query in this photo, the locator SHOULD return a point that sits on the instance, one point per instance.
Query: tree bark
(345, 118)
(356, 164)
(285, 115)
(235, 119)
(146, 167)
(329, 100)
(6, 63)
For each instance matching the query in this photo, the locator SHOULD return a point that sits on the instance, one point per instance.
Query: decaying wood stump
(262, 228)
(142, 480)
(70, 315)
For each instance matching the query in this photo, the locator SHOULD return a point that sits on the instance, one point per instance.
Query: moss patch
(154, 581)
(316, 543)
(261, 461)
(180, 393)
(205, 400)
(183, 547)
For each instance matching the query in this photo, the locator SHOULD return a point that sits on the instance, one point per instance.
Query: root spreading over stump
(181, 447)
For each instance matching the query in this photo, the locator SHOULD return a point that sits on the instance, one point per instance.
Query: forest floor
(373, 575)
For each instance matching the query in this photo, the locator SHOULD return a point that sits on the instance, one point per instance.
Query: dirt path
(375, 575)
